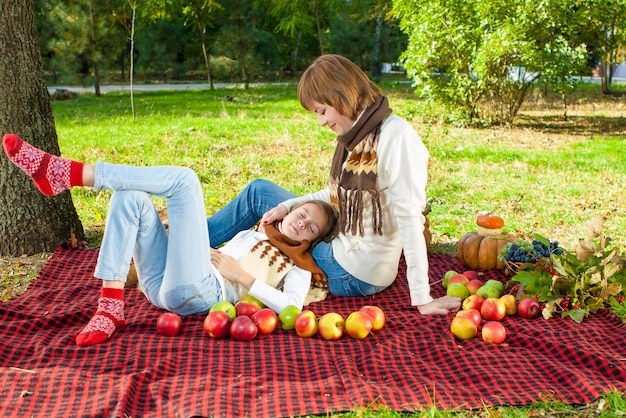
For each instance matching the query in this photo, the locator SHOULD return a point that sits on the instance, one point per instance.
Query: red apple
(473, 314)
(217, 324)
(331, 326)
(473, 285)
(463, 328)
(306, 324)
(243, 329)
(377, 314)
(358, 325)
(493, 309)
(265, 320)
(471, 274)
(472, 302)
(244, 308)
(510, 304)
(169, 324)
(493, 332)
(528, 308)
(458, 278)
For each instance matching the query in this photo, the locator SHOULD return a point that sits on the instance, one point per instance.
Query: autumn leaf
(585, 250)
(593, 227)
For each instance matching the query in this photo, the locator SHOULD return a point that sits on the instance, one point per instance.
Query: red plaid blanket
(414, 363)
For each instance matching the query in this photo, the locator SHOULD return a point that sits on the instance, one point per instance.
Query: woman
(377, 182)
(178, 271)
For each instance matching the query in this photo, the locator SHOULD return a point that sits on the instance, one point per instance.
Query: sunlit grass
(541, 178)
(544, 175)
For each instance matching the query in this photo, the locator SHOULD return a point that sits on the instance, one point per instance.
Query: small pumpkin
(479, 249)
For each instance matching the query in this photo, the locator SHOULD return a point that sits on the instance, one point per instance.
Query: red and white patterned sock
(108, 318)
(51, 174)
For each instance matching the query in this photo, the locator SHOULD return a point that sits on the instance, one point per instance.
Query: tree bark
(30, 222)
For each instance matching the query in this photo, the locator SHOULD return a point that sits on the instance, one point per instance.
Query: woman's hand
(272, 215)
(441, 306)
(231, 269)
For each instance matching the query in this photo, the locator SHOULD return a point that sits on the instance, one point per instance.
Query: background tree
(29, 221)
(364, 30)
(203, 15)
(479, 59)
(83, 35)
(299, 20)
(239, 36)
(605, 21)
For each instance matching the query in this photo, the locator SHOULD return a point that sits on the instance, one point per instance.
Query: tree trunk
(205, 54)
(30, 222)
(93, 48)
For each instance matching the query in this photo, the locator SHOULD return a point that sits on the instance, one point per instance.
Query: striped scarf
(298, 253)
(350, 183)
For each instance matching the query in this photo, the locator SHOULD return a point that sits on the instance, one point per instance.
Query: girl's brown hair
(338, 82)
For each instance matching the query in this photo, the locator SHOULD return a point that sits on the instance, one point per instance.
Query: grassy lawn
(545, 175)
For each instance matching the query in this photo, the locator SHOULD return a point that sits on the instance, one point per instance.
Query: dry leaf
(594, 226)
(584, 250)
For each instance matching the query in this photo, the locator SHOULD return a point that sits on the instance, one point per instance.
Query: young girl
(377, 181)
(178, 271)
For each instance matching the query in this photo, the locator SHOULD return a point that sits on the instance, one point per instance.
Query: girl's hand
(231, 269)
(272, 215)
(441, 306)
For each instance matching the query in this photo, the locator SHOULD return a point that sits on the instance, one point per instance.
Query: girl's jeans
(174, 270)
(248, 208)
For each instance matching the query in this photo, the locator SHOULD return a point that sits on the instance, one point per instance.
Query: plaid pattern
(413, 363)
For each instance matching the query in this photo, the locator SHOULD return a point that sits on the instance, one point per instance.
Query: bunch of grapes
(524, 251)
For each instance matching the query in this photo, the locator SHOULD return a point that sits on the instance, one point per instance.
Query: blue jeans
(248, 208)
(174, 270)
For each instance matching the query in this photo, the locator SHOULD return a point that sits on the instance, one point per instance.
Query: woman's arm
(280, 211)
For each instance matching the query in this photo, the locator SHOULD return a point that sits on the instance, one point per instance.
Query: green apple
(457, 290)
(497, 284)
(446, 277)
(287, 317)
(250, 298)
(487, 292)
(225, 306)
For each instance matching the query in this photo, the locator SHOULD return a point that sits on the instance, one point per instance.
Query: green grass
(545, 175)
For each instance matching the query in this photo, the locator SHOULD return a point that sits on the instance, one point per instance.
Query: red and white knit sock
(51, 174)
(108, 318)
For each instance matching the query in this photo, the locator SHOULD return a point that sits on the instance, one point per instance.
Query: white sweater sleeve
(295, 288)
(296, 283)
(403, 161)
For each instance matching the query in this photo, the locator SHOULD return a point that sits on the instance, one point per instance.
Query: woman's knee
(260, 186)
(130, 198)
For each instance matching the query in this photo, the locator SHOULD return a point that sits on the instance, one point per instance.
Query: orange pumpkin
(480, 249)
(490, 221)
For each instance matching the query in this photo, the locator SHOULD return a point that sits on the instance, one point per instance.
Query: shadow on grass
(574, 125)
(443, 248)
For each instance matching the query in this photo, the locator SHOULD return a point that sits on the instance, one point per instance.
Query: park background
(493, 88)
